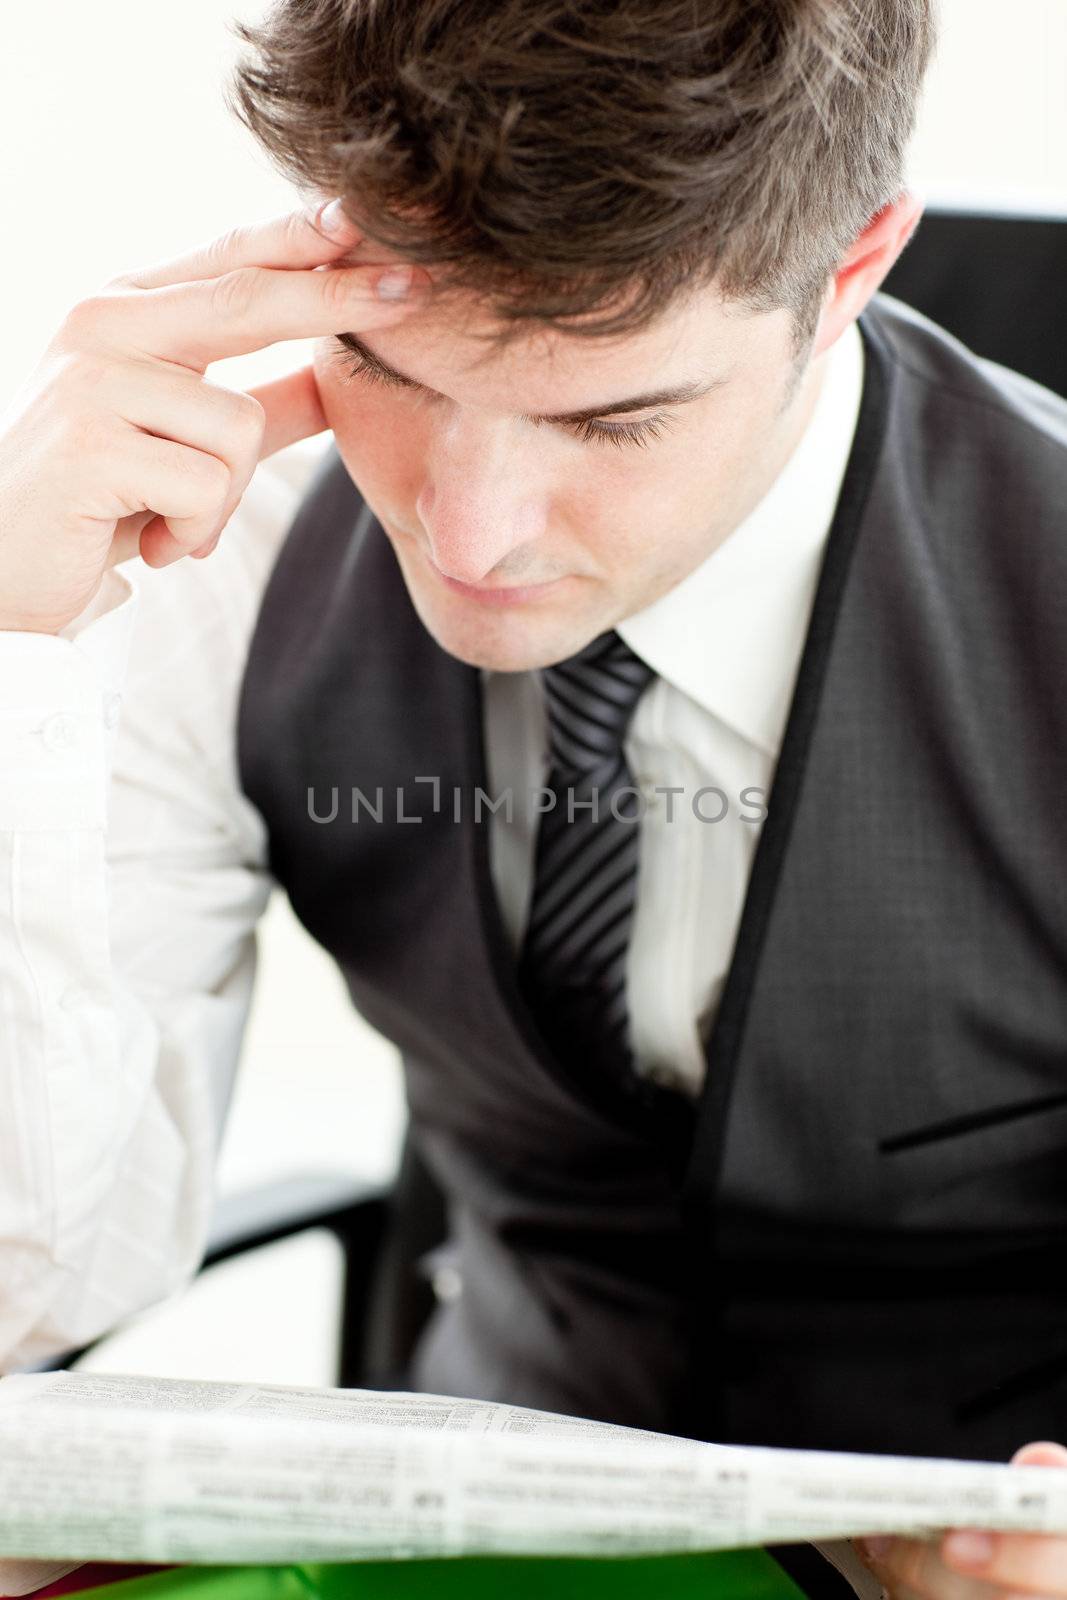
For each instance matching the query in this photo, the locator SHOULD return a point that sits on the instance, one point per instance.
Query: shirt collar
(730, 635)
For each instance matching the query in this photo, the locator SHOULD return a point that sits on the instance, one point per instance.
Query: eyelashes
(640, 433)
(591, 431)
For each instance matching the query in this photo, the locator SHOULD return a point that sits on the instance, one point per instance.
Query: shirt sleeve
(132, 875)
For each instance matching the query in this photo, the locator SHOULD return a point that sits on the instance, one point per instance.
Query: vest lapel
(723, 1052)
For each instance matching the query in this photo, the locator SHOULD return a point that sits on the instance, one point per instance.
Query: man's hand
(970, 1564)
(118, 444)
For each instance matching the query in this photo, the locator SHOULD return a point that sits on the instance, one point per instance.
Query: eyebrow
(678, 394)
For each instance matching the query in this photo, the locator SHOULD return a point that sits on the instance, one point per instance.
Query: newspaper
(132, 1469)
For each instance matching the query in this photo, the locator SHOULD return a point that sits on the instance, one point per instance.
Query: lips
(491, 593)
(481, 589)
(497, 594)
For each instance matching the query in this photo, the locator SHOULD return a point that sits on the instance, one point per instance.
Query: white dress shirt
(133, 870)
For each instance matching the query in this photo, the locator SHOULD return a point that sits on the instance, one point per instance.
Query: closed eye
(358, 368)
(595, 430)
(641, 432)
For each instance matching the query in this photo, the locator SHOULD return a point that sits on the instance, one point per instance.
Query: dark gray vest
(856, 1239)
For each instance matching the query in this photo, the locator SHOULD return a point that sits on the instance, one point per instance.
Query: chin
(519, 639)
(498, 644)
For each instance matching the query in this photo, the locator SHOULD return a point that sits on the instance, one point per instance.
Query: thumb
(294, 410)
(1042, 1453)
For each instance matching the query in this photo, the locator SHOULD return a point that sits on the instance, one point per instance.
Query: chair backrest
(378, 1338)
(998, 282)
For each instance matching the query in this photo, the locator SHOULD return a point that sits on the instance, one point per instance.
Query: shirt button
(447, 1283)
(59, 732)
(112, 707)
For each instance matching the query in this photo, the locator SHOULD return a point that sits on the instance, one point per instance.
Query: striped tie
(572, 968)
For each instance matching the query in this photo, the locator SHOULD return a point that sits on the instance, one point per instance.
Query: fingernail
(970, 1548)
(395, 283)
(332, 219)
(877, 1547)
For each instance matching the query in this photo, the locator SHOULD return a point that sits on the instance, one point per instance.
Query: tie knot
(590, 699)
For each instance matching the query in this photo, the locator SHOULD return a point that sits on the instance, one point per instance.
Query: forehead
(443, 345)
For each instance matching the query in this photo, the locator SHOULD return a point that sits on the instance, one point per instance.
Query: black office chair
(999, 283)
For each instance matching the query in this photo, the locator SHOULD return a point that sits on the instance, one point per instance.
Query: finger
(292, 407)
(1032, 1562)
(175, 404)
(916, 1564)
(293, 410)
(295, 239)
(248, 309)
(242, 429)
(1035, 1563)
(158, 546)
(191, 411)
(188, 488)
(1042, 1453)
(126, 541)
(202, 415)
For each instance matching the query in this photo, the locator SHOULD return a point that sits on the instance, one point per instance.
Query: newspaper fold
(122, 1468)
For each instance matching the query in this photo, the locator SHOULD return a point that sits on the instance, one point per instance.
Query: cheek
(622, 484)
(660, 511)
(641, 502)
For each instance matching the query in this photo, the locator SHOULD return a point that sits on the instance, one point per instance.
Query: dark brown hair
(596, 159)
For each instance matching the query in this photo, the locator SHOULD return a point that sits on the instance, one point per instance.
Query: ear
(862, 270)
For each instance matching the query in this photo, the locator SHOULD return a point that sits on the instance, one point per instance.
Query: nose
(482, 505)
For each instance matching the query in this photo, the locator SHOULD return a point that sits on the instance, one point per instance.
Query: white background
(116, 149)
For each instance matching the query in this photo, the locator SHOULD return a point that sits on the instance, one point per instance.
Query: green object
(722, 1575)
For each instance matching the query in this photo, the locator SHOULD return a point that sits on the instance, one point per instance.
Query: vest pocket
(1000, 1169)
(971, 1122)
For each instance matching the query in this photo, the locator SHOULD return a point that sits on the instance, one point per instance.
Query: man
(734, 1108)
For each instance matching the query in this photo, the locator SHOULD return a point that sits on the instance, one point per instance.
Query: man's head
(614, 199)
